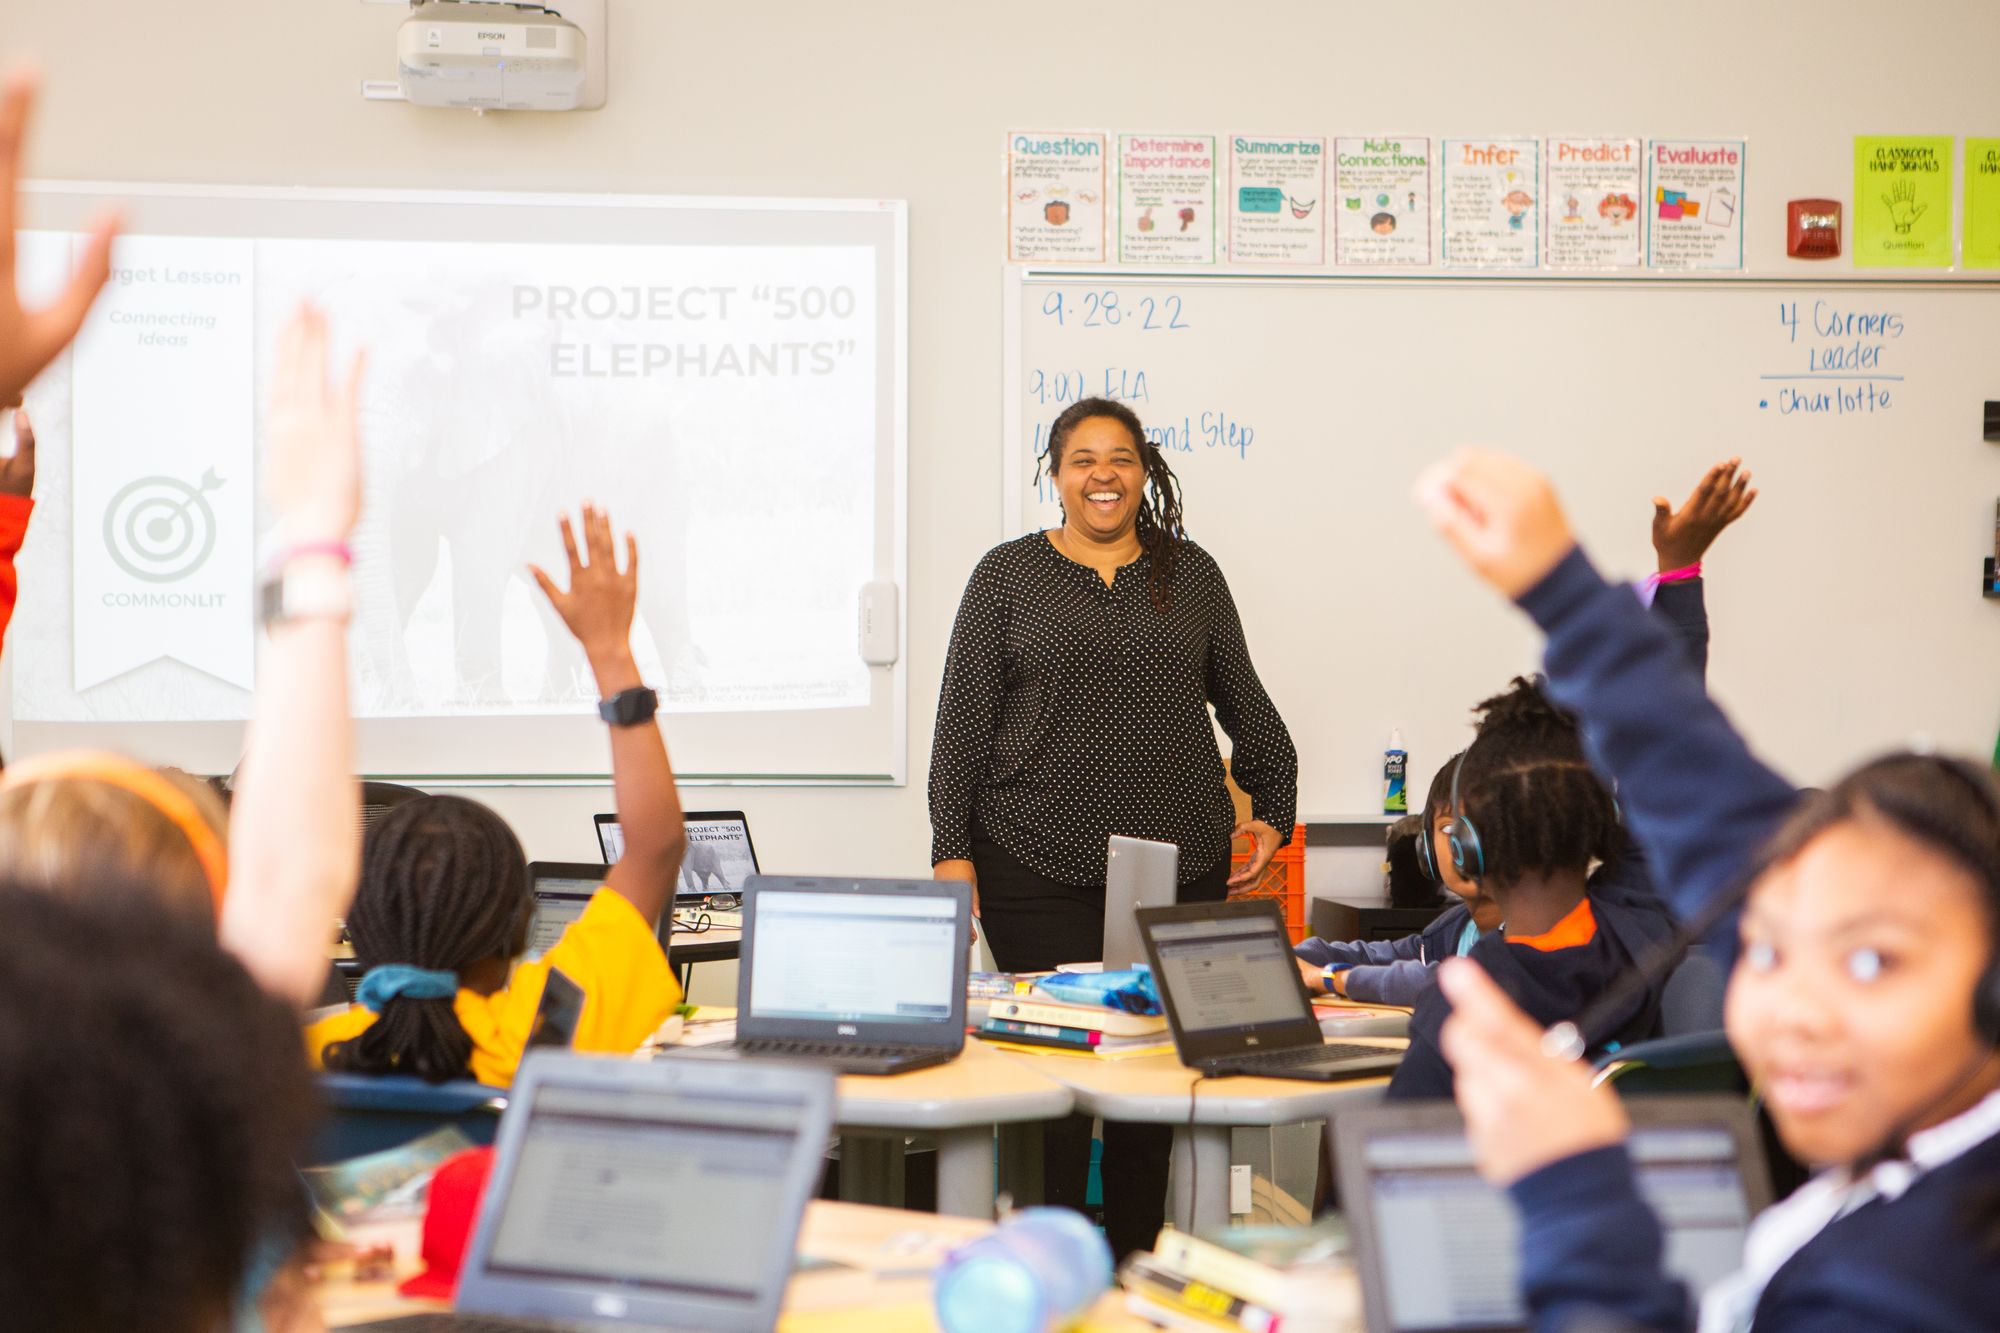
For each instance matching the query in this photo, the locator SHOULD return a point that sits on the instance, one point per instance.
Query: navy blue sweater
(1703, 804)
(1399, 971)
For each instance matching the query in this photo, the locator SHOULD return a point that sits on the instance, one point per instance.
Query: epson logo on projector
(492, 36)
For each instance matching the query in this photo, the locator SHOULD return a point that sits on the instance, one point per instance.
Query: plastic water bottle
(1035, 1272)
(1395, 777)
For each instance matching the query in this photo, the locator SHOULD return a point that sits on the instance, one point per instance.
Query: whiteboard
(727, 377)
(1297, 413)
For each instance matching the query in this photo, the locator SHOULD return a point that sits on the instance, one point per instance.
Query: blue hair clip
(391, 980)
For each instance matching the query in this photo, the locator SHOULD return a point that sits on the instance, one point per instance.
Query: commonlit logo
(161, 529)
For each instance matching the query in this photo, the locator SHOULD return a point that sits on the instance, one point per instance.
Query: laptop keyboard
(1306, 1055)
(822, 1050)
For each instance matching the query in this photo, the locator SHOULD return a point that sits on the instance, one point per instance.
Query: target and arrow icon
(160, 528)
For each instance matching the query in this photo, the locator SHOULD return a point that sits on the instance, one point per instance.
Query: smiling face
(1101, 478)
(1851, 1005)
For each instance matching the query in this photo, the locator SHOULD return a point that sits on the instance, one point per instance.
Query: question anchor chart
(161, 520)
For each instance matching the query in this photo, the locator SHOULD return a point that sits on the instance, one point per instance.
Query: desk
(1153, 1089)
(861, 1296)
(714, 945)
(963, 1103)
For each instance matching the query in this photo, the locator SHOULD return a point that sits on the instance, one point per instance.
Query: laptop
(865, 975)
(1234, 998)
(1137, 873)
(627, 1196)
(1439, 1249)
(719, 861)
(562, 890)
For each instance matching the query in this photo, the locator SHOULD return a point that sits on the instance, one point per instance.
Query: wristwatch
(628, 708)
(304, 592)
(1326, 976)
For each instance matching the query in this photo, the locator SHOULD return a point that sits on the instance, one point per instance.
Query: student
(1399, 971)
(1865, 1004)
(1530, 819)
(17, 504)
(445, 902)
(152, 1101)
(82, 822)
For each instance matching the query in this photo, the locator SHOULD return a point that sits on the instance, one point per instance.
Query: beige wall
(870, 98)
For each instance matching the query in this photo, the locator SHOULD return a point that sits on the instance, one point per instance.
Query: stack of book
(1254, 1279)
(1036, 1020)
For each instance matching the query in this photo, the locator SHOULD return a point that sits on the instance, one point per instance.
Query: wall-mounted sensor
(879, 635)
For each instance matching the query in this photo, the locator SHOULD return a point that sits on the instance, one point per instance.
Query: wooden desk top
(1153, 1089)
(883, 1286)
(981, 1087)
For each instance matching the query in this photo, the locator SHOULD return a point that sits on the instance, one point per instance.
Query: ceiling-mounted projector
(491, 56)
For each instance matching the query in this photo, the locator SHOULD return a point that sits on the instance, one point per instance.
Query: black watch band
(628, 708)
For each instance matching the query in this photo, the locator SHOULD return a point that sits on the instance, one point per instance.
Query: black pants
(1032, 923)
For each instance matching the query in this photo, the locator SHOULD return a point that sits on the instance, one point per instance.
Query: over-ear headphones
(1468, 854)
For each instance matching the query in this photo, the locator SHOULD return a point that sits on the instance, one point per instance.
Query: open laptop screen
(719, 856)
(1228, 972)
(1448, 1243)
(853, 957)
(603, 1190)
(559, 900)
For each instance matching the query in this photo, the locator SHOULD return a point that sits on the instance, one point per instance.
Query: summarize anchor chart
(1842, 360)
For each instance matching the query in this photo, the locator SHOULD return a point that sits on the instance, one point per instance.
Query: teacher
(1075, 706)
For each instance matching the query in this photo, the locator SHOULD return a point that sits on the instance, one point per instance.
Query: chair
(1691, 1062)
(379, 798)
(367, 1114)
(1691, 1001)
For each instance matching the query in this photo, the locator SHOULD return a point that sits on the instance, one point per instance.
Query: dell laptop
(1137, 874)
(1438, 1248)
(865, 975)
(1234, 998)
(641, 1196)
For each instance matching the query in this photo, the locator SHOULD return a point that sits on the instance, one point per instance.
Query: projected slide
(720, 400)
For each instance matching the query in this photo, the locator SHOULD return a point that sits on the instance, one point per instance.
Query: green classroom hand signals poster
(1902, 201)
(1982, 203)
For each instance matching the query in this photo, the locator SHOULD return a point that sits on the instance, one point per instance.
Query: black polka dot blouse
(1072, 711)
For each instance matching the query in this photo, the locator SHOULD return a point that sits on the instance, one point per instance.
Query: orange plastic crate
(1283, 879)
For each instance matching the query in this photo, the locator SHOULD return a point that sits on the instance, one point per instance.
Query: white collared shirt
(1784, 1229)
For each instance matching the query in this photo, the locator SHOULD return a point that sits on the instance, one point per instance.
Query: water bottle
(1035, 1272)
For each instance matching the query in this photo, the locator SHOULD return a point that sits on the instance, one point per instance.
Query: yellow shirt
(609, 951)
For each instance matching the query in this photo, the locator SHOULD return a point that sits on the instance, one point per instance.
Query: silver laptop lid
(1420, 1213)
(665, 1194)
(879, 961)
(1137, 874)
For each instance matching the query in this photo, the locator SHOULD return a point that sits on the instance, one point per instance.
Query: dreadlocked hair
(444, 885)
(1530, 791)
(1160, 526)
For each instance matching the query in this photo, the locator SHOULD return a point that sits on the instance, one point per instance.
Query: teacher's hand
(963, 871)
(1267, 840)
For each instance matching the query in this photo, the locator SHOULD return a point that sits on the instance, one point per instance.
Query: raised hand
(312, 439)
(1523, 1109)
(1499, 514)
(30, 339)
(598, 606)
(17, 474)
(1682, 536)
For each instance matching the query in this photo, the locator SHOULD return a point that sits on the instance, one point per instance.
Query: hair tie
(399, 980)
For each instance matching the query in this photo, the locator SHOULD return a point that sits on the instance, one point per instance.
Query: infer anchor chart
(1843, 363)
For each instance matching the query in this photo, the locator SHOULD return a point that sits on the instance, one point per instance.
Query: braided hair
(1526, 785)
(444, 885)
(1160, 526)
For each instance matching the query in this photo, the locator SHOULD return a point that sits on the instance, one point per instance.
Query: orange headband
(153, 788)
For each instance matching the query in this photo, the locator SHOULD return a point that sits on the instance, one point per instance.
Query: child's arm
(1692, 792)
(294, 828)
(598, 610)
(1681, 537)
(17, 503)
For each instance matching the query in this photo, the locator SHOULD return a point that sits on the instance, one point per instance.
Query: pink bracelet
(337, 550)
(1681, 575)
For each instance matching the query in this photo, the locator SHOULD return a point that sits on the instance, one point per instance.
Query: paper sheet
(1902, 201)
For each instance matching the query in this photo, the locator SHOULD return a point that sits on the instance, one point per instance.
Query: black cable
(1194, 1159)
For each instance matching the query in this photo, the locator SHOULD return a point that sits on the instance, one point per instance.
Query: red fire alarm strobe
(1812, 228)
